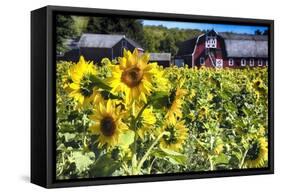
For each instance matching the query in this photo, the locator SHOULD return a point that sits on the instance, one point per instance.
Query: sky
(206, 26)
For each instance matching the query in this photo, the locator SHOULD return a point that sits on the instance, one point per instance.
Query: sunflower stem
(134, 156)
(149, 150)
(138, 116)
(211, 163)
(134, 126)
(150, 166)
(243, 159)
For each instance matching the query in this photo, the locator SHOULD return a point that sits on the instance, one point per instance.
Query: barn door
(123, 46)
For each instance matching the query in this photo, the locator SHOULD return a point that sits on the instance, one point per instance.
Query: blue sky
(206, 26)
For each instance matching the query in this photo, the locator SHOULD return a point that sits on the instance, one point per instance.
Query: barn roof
(187, 47)
(160, 56)
(71, 43)
(245, 45)
(103, 40)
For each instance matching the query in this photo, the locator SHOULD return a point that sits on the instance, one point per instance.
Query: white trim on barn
(260, 62)
(243, 62)
(192, 58)
(252, 62)
(230, 62)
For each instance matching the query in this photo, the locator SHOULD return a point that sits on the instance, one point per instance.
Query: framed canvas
(126, 96)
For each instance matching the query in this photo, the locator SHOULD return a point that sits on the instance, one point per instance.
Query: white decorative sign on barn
(219, 63)
(211, 42)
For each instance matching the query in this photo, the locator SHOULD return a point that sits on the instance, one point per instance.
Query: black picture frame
(43, 92)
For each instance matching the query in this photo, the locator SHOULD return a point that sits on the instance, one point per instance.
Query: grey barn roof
(103, 40)
(160, 56)
(244, 45)
(71, 43)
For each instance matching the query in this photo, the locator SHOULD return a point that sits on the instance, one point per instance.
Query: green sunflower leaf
(100, 83)
(104, 166)
(158, 99)
(170, 155)
(221, 159)
(127, 138)
(82, 161)
(108, 95)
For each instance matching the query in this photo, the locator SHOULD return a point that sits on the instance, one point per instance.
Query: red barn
(220, 50)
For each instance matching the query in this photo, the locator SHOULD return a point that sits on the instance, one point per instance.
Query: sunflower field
(132, 117)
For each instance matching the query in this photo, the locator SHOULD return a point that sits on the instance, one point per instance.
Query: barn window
(124, 43)
(211, 42)
(259, 62)
(202, 60)
(252, 62)
(230, 62)
(243, 62)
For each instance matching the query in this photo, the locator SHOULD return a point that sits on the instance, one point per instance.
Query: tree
(168, 44)
(152, 38)
(132, 28)
(93, 25)
(258, 32)
(163, 39)
(65, 29)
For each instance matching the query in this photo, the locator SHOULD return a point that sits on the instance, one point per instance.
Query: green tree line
(151, 38)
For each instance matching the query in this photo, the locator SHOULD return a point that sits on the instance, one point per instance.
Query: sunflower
(63, 75)
(177, 134)
(133, 76)
(82, 86)
(107, 123)
(191, 95)
(257, 155)
(160, 82)
(145, 123)
(174, 104)
(257, 83)
(203, 112)
(259, 86)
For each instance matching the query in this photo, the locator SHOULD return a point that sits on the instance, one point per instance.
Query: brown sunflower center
(132, 77)
(171, 98)
(254, 151)
(172, 137)
(107, 126)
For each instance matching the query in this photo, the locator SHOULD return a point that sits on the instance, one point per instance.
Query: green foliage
(174, 157)
(132, 28)
(104, 166)
(225, 111)
(152, 38)
(64, 29)
(80, 24)
(162, 39)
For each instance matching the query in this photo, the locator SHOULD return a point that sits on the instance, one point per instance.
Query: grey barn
(163, 59)
(95, 47)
